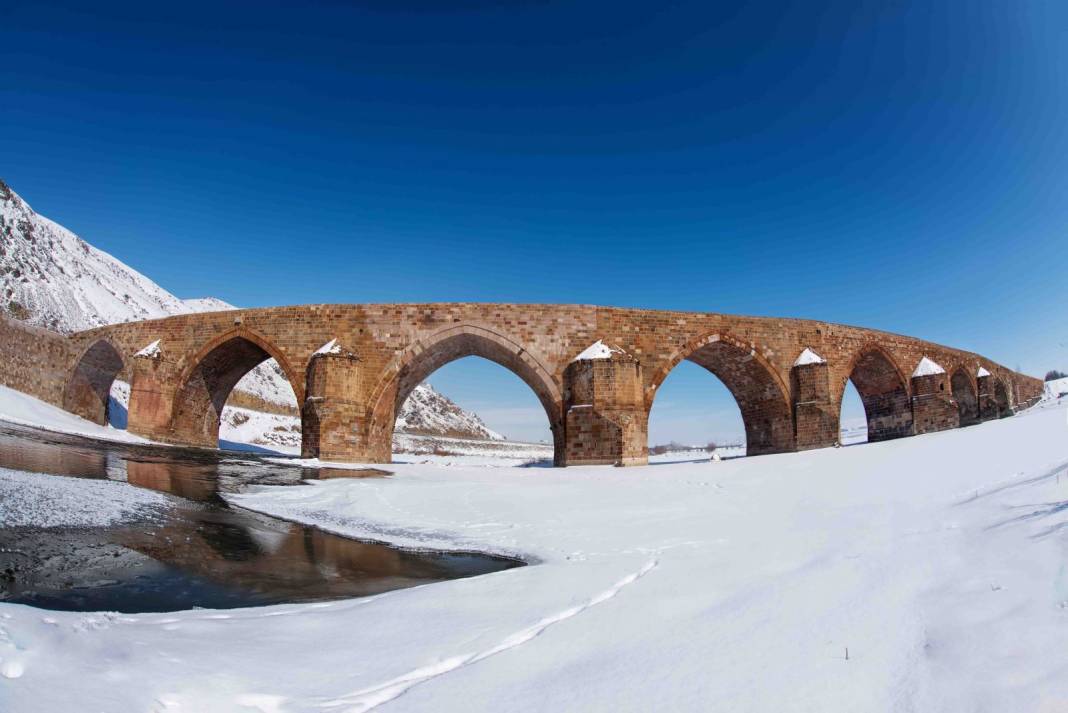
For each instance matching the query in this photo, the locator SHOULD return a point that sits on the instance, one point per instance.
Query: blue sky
(895, 165)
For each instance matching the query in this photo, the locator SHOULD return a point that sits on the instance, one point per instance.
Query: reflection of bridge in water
(206, 553)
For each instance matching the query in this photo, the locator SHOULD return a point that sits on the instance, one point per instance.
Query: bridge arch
(416, 363)
(966, 394)
(883, 390)
(756, 386)
(207, 380)
(88, 390)
(1002, 403)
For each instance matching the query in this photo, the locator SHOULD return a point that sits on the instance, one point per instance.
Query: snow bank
(927, 367)
(938, 561)
(37, 500)
(23, 409)
(1055, 389)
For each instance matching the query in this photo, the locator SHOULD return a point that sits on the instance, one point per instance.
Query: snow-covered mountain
(52, 278)
(428, 412)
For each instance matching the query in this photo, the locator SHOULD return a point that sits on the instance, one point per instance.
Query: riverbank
(937, 561)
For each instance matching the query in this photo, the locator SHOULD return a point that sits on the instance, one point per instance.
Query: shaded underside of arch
(765, 410)
(88, 390)
(1001, 399)
(200, 400)
(885, 396)
(966, 398)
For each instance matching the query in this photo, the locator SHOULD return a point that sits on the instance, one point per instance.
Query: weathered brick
(178, 397)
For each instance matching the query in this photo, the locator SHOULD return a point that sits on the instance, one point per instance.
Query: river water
(197, 551)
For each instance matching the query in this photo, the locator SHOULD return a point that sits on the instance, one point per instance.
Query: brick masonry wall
(35, 361)
(395, 344)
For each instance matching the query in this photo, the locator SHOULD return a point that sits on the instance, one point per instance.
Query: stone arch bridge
(595, 370)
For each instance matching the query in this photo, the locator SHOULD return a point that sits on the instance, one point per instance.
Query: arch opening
(473, 406)
(427, 359)
(766, 412)
(694, 416)
(966, 397)
(884, 394)
(88, 392)
(852, 420)
(211, 410)
(1001, 400)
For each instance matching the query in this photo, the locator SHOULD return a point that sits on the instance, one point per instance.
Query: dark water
(197, 551)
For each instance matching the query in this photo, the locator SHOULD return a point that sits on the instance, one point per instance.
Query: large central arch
(883, 391)
(210, 377)
(415, 364)
(752, 381)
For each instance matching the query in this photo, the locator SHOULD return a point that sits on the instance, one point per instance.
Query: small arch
(88, 390)
(966, 395)
(1001, 399)
(884, 392)
(208, 379)
(755, 385)
(420, 360)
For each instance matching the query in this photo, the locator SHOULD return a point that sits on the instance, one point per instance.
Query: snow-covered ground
(1055, 390)
(923, 574)
(696, 454)
(38, 500)
(20, 408)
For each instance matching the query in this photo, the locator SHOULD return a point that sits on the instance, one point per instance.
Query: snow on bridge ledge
(809, 357)
(331, 347)
(152, 351)
(982, 372)
(598, 350)
(926, 367)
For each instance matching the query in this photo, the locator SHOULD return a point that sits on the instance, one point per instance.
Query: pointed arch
(755, 384)
(412, 366)
(883, 390)
(966, 394)
(88, 390)
(209, 377)
(1001, 399)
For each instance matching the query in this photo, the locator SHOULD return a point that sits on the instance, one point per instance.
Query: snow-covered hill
(1055, 389)
(52, 278)
(427, 412)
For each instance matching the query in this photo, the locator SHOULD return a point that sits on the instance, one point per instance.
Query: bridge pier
(605, 421)
(152, 391)
(933, 406)
(335, 424)
(815, 415)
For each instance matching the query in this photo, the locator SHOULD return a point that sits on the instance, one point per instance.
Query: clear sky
(894, 165)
